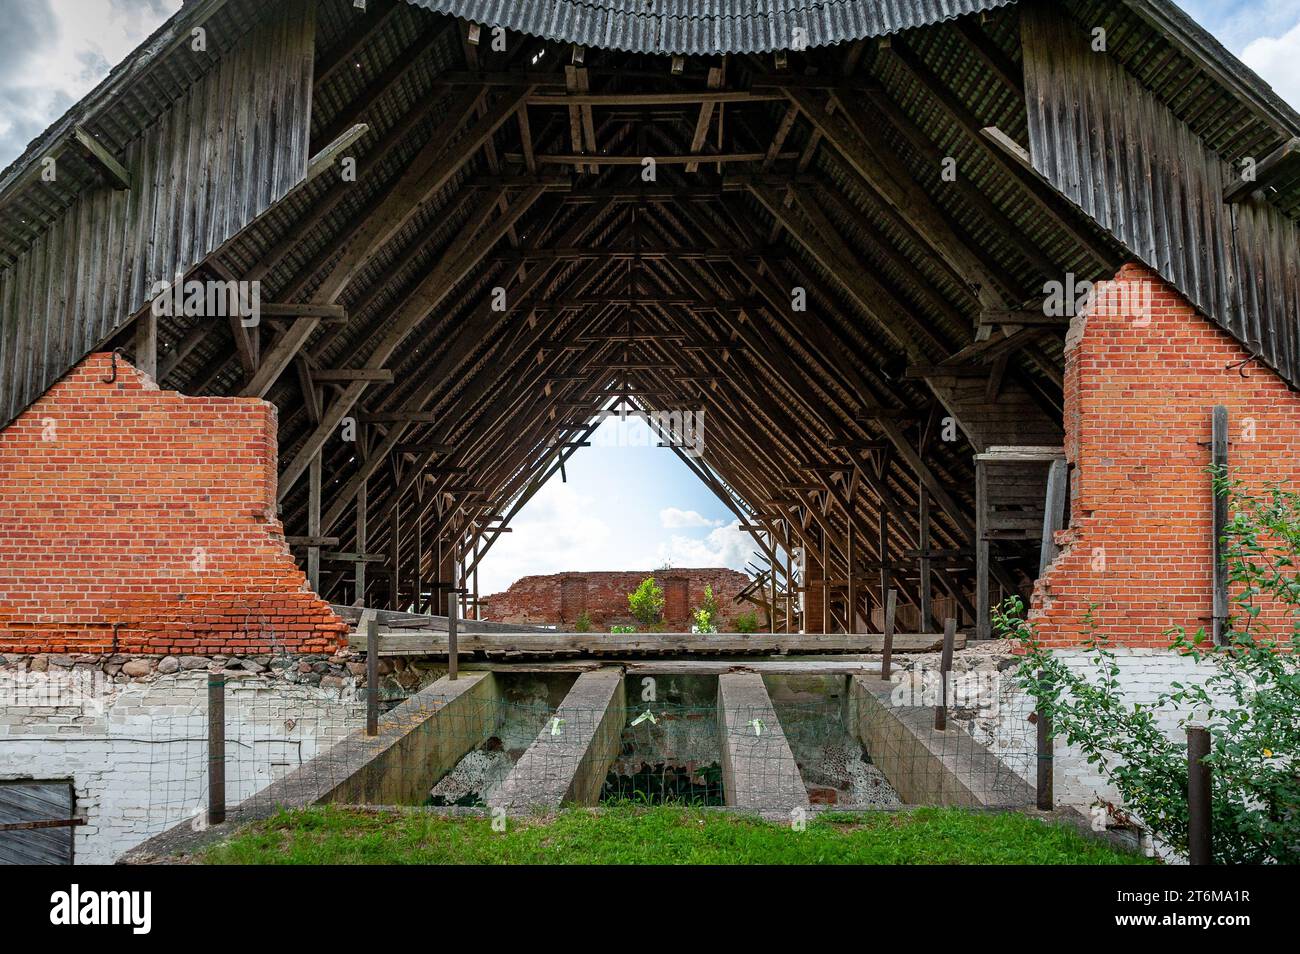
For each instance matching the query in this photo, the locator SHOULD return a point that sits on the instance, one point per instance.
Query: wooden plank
(1054, 517)
(381, 375)
(113, 170)
(1267, 170)
(403, 642)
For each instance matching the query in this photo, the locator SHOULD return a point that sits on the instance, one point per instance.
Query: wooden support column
(851, 614)
(417, 577)
(771, 613)
(394, 567)
(789, 581)
(983, 624)
(826, 591)
(146, 343)
(927, 581)
(359, 570)
(313, 522)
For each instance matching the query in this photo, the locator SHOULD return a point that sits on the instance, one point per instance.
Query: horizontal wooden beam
(399, 642)
(383, 375)
(567, 159)
(654, 99)
(308, 310)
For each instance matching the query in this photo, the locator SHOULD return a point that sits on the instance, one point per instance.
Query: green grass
(666, 835)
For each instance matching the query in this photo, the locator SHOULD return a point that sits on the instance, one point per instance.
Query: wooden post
(927, 579)
(453, 663)
(945, 664)
(771, 563)
(216, 749)
(826, 591)
(789, 581)
(891, 607)
(359, 568)
(313, 521)
(417, 577)
(372, 673)
(1219, 453)
(1200, 834)
(983, 622)
(477, 540)
(1046, 800)
(146, 343)
(851, 617)
(395, 549)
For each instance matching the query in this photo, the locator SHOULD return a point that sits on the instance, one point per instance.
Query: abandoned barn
(946, 301)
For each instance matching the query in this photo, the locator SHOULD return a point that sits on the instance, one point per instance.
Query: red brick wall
(124, 504)
(537, 599)
(1139, 393)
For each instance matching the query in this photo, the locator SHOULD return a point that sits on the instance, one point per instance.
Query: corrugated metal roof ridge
(707, 26)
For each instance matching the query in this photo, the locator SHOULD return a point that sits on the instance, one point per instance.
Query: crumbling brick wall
(560, 597)
(1143, 373)
(138, 520)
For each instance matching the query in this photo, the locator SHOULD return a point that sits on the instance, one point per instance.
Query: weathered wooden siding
(1115, 149)
(235, 143)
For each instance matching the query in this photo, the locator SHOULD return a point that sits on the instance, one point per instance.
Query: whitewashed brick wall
(137, 753)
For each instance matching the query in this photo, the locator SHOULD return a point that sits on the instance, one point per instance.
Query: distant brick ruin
(561, 597)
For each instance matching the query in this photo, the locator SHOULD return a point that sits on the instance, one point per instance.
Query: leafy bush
(583, 623)
(646, 602)
(1249, 700)
(706, 614)
(746, 622)
(622, 629)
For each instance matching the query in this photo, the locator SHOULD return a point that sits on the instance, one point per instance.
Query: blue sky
(627, 504)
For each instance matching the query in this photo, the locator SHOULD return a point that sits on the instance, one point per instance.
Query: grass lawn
(667, 835)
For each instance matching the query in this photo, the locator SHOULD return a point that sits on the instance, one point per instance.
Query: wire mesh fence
(853, 752)
(160, 756)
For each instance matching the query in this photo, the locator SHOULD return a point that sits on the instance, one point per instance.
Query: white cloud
(1277, 59)
(561, 529)
(672, 518)
(725, 546)
(53, 52)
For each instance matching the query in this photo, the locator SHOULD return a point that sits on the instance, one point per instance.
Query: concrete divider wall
(759, 772)
(568, 761)
(925, 766)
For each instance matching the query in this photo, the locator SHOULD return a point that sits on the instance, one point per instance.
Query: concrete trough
(568, 761)
(926, 766)
(759, 772)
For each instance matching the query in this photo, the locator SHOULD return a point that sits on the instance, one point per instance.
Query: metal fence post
(1199, 825)
(1046, 799)
(945, 664)
(216, 749)
(452, 661)
(372, 674)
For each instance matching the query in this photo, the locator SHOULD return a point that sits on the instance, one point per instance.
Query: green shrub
(622, 629)
(706, 614)
(646, 602)
(1249, 700)
(747, 622)
(583, 623)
